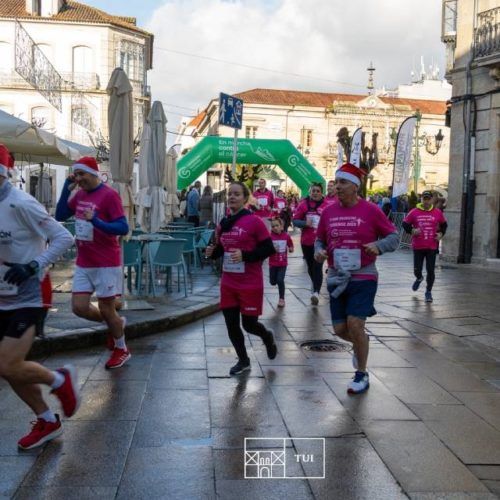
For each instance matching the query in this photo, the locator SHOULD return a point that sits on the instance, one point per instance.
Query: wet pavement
(172, 424)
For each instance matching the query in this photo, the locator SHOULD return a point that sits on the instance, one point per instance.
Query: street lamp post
(432, 146)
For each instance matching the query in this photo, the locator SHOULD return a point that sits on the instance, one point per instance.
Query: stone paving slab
(172, 423)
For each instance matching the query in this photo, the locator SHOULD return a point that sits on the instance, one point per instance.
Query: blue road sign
(230, 111)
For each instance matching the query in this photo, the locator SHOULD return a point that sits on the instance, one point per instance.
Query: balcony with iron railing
(487, 36)
(70, 81)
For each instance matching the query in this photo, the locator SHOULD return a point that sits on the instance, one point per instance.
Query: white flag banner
(340, 155)
(355, 158)
(402, 156)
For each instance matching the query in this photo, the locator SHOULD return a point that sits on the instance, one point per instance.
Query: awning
(34, 145)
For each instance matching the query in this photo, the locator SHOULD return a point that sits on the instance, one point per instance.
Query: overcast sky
(329, 42)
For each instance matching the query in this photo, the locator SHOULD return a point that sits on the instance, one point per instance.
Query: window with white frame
(131, 59)
(307, 138)
(250, 132)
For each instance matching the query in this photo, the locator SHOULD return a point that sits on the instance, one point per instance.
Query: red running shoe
(68, 393)
(41, 432)
(118, 358)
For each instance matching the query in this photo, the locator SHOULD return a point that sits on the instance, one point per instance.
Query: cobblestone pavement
(171, 423)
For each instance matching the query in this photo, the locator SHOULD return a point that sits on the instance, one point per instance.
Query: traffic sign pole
(235, 152)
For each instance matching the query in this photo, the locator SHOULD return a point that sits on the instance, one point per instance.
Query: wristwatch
(34, 266)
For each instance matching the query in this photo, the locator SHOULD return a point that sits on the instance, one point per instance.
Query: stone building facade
(311, 121)
(56, 59)
(471, 33)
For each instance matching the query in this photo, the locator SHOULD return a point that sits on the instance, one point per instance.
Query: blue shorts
(356, 300)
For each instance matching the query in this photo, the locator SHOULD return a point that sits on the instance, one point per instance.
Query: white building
(311, 121)
(56, 59)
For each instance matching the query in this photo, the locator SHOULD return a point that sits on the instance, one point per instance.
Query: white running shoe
(359, 383)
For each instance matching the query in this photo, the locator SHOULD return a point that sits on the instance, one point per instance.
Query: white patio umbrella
(172, 205)
(154, 166)
(34, 145)
(121, 138)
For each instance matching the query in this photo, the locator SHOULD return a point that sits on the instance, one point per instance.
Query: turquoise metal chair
(190, 250)
(132, 259)
(168, 254)
(202, 242)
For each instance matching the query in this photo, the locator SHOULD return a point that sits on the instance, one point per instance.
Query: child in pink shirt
(278, 262)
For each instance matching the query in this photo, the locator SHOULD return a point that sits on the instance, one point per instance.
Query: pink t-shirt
(346, 229)
(282, 242)
(279, 204)
(309, 209)
(329, 200)
(95, 247)
(245, 235)
(428, 221)
(265, 202)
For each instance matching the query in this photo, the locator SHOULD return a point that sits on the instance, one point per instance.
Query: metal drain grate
(325, 345)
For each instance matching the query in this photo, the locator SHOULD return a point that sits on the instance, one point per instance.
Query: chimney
(33, 7)
(51, 7)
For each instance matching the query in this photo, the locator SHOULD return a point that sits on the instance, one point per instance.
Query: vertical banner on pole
(231, 115)
(402, 156)
(355, 157)
(340, 155)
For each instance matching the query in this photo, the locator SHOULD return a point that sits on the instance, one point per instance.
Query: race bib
(314, 218)
(84, 230)
(6, 288)
(232, 267)
(280, 205)
(280, 246)
(347, 259)
(262, 202)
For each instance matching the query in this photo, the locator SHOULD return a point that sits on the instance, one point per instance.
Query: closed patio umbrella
(121, 138)
(155, 167)
(172, 205)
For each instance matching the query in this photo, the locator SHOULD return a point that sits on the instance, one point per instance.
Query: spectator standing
(193, 204)
(207, 206)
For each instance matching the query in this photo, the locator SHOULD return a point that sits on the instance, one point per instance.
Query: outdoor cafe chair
(132, 259)
(168, 254)
(190, 248)
(202, 242)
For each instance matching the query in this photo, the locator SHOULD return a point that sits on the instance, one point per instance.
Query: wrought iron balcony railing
(487, 34)
(82, 81)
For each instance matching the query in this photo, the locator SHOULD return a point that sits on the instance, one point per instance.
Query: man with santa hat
(99, 221)
(30, 240)
(351, 234)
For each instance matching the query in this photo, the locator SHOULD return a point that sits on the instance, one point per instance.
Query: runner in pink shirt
(265, 202)
(351, 233)
(99, 221)
(306, 217)
(331, 195)
(427, 225)
(278, 262)
(243, 242)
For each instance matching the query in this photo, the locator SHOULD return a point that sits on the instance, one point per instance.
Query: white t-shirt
(25, 228)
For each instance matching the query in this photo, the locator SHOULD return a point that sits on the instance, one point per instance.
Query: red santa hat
(87, 164)
(351, 173)
(6, 161)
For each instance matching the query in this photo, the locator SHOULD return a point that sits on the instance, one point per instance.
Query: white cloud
(324, 39)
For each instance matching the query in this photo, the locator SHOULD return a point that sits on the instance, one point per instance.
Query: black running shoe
(416, 284)
(240, 367)
(271, 348)
(428, 296)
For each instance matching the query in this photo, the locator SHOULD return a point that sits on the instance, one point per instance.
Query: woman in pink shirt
(278, 262)
(243, 242)
(427, 225)
(306, 217)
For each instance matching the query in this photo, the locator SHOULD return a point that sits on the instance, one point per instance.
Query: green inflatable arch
(280, 152)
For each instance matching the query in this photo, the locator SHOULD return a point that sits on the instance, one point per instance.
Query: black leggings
(430, 264)
(250, 324)
(314, 268)
(277, 277)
